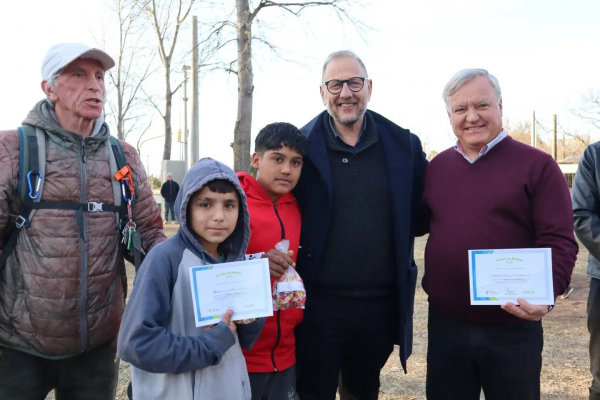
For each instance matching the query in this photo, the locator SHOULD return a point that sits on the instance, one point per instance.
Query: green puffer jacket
(61, 294)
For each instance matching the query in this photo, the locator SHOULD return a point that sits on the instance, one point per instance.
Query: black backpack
(30, 183)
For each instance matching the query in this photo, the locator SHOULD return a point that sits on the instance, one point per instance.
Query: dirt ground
(565, 371)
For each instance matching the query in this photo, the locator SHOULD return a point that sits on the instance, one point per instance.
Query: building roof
(570, 160)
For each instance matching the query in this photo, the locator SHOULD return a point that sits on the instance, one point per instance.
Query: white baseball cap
(61, 55)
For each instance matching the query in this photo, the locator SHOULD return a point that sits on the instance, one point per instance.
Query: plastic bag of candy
(288, 291)
(245, 321)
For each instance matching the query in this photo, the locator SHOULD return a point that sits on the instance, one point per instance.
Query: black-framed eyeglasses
(335, 86)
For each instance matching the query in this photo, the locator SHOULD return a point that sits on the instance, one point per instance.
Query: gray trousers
(91, 375)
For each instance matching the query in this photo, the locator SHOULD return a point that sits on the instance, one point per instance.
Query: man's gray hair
(467, 75)
(343, 53)
(53, 80)
(53, 83)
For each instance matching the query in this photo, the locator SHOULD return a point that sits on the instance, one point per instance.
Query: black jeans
(91, 375)
(463, 358)
(346, 335)
(593, 309)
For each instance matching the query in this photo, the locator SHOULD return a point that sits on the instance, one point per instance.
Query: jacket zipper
(280, 222)
(278, 313)
(83, 252)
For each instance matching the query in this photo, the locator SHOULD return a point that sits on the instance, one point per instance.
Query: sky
(545, 55)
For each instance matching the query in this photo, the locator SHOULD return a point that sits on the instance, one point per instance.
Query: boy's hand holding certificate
(243, 287)
(501, 276)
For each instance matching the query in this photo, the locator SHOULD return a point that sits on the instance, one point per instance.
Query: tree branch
(152, 102)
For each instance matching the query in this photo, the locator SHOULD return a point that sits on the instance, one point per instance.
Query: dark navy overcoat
(405, 164)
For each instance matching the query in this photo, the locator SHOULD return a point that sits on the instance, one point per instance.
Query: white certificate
(500, 276)
(244, 287)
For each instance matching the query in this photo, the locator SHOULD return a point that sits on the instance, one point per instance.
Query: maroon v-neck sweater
(513, 197)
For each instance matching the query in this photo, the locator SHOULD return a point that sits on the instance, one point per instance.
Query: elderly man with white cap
(62, 274)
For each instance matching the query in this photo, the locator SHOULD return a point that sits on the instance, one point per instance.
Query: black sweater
(358, 257)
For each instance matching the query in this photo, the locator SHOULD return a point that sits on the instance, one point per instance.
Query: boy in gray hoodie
(171, 358)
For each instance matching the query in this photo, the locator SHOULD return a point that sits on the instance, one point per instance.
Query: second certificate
(499, 276)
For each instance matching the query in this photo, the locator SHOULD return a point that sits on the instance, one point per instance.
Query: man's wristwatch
(550, 308)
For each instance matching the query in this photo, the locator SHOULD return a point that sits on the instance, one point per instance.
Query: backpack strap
(9, 246)
(125, 176)
(117, 150)
(28, 158)
(28, 187)
(30, 179)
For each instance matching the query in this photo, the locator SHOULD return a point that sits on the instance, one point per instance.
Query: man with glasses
(360, 185)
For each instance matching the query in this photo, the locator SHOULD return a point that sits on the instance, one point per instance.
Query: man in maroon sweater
(488, 192)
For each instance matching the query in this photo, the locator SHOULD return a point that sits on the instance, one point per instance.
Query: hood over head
(202, 172)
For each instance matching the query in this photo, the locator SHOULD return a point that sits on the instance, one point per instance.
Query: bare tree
(521, 131)
(590, 110)
(570, 142)
(243, 123)
(128, 108)
(245, 19)
(166, 18)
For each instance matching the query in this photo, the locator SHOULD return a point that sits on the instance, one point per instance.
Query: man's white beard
(348, 122)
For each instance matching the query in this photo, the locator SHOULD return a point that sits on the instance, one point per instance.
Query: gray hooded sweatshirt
(171, 358)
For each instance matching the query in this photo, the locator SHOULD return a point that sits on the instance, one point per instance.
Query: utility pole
(186, 68)
(195, 142)
(554, 138)
(533, 134)
(564, 145)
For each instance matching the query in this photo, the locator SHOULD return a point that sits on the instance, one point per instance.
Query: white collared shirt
(458, 147)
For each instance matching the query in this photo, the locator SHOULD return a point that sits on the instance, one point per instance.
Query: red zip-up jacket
(275, 349)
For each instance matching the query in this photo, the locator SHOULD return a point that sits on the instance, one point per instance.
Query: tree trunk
(167, 116)
(243, 124)
(119, 85)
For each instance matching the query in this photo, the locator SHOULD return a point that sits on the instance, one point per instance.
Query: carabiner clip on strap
(124, 176)
(34, 195)
(126, 189)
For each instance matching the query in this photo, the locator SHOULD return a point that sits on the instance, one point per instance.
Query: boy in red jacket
(275, 216)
